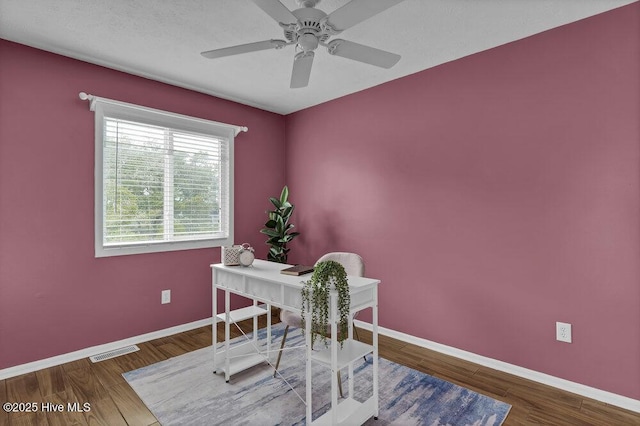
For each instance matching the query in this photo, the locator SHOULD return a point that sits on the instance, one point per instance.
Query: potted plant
(278, 228)
(327, 275)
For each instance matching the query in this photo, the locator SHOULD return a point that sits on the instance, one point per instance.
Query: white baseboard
(95, 350)
(556, 382)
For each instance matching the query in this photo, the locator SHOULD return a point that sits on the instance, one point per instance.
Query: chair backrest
(353, 263)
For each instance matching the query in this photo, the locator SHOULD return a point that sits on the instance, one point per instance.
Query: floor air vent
(114, 353)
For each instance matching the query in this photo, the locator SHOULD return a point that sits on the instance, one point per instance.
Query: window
(163, 181)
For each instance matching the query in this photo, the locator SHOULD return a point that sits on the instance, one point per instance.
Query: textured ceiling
(162, 40)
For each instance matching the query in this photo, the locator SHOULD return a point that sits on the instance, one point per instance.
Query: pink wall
(55, 297)
(494, 196)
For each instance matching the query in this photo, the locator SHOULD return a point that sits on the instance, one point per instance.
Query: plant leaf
(284, 195)
(275, 251)
(275, 202)
(270, 232)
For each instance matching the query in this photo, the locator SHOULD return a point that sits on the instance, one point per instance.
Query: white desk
(263, 282)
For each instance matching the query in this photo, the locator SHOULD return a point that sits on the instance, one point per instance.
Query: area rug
(184, 391)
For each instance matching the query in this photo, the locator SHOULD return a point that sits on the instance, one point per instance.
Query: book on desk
(297, 270)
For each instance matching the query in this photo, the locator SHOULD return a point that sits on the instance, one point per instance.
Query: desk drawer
(263, 290)
(362, 299)
(224, 279)
(292, 299)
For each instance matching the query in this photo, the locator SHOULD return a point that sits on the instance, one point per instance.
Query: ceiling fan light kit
(308, 27)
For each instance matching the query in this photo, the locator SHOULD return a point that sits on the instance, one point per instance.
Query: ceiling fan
(309, 28)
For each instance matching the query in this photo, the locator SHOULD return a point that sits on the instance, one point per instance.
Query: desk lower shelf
(241, 357)
(349, 412)
(351, 350)
(241, 314)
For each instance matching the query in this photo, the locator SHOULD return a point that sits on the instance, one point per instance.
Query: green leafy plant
(278, 228)
(327, 275)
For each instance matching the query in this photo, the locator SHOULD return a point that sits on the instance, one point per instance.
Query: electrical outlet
(166, 297)
(563, 332)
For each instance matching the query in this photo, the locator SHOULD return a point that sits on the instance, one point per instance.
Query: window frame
(178, 122)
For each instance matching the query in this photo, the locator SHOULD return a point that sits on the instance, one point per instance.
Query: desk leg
(375, 351)
(269, 332)
(227, 333)
(334, 358)
(255, 327)
(307, 337)
(351, 386)
(214, 328)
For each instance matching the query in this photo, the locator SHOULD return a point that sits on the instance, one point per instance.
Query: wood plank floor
(113, 402)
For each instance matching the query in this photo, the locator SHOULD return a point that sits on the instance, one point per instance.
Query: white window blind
(160, 184)
(163, 181)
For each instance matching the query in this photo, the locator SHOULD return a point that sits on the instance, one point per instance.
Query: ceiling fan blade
(357, 11)
(301, 69)
(277, 11)
(244, 48)
(362, 53)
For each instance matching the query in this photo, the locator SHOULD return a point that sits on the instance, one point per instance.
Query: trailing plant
(327, 275)
(278, 228)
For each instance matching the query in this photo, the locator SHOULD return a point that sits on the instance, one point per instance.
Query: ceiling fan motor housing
(308, 42)
(309, 31)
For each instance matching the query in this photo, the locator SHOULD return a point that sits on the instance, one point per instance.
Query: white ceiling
(162, 40)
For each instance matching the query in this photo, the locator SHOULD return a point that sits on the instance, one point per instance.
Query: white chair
(353, 265)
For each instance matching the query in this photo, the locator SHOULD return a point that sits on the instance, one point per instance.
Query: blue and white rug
(183, 391)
